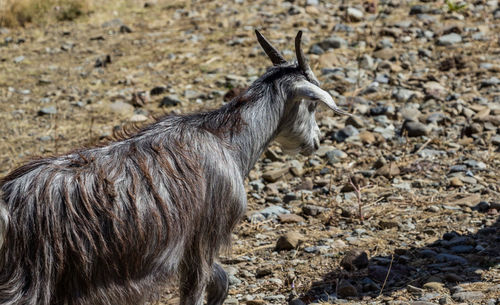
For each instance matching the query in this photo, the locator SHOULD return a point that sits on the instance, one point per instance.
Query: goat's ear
(271, 51)
(308, 91)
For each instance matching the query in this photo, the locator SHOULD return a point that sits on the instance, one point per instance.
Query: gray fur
(111, 225)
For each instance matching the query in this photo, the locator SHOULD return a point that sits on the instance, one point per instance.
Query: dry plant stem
(358, 196)
(387, 275)
(423, 146)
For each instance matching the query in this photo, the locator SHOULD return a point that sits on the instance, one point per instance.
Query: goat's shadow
(453, 259)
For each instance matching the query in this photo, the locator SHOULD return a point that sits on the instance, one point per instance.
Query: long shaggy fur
(110, 225)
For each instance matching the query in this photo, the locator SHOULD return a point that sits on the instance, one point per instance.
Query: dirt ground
(422, 78)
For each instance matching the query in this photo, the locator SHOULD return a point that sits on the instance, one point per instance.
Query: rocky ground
(401, 203)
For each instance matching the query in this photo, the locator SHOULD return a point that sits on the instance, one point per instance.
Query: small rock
(312, 210)
(47, 110)
(468, 296)
(433, 286)
(333, 42)
(122, 108)
(389, 170)
(403, 95)
(354, 14)
(415, 129)
(444, 257)
(344, 133)
(355, 121)
(335, 156)
(273, 210)
(296, 302)
(367, 137)
(456, 182)
(289, 241)
(275, 174)
(291, 218)
(125, 29)
(256, 302)
(388, 224)
(346, 289)
(18, 59)
(449, 39)
(355, 259)
(102, 62)
(138, 118)
(158, 90)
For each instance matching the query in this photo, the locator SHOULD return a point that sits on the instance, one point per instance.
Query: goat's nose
(316, 143)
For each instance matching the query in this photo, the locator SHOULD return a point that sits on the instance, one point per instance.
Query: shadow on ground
(453, 259)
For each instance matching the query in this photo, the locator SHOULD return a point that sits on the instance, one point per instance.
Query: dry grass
(15, 13)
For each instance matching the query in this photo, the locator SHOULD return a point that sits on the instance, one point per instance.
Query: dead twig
(387, 275)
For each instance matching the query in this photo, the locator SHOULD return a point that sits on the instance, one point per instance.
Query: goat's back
(98, 226)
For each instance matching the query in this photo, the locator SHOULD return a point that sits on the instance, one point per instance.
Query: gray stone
(366, 62)
(47, 110)
(354, 14)
(449, 39)
(316, 49)
(419, 9)
(444, 257)
(415, 129)
(403, 95)
(335, 156)
(233, 280)
(312, 210)
(170, 100)
(333, 42)
(354, 260)
(289, 241)
(273, 210)
(467, 296)
(19, 59)
(344, 133)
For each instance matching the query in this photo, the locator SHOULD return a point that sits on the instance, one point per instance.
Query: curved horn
(301, 59)
(271, 51)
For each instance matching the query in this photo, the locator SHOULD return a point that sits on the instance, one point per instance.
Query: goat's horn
(312, 92)
(271, 51)
(301, 59)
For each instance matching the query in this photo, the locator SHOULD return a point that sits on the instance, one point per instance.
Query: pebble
(19, 59)
(345, 133)
(354, 259)
(275, 174)
(335, 156)
(289, 241)
(312, 210)
(467, 296)
(273, 210)
(333, 42)
(291, 218)
(47, 110)
(403, 95)
(415, 129)
(170, 101)
(433, 286)
(354, 14)
(449, 39)
(443, 257)
(346, 289)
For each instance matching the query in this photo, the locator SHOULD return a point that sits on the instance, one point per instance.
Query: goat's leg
(193, 280)
(218, 286)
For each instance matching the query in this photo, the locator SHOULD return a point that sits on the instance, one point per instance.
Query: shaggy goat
(110, 225)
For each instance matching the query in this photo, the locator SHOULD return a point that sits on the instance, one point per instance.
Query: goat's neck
(261, 121)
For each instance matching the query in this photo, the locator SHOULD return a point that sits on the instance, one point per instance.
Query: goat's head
(298, 130)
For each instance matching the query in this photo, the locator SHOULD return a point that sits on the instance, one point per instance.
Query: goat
(112, 224)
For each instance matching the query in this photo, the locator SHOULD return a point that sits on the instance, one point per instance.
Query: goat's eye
(312, 106)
